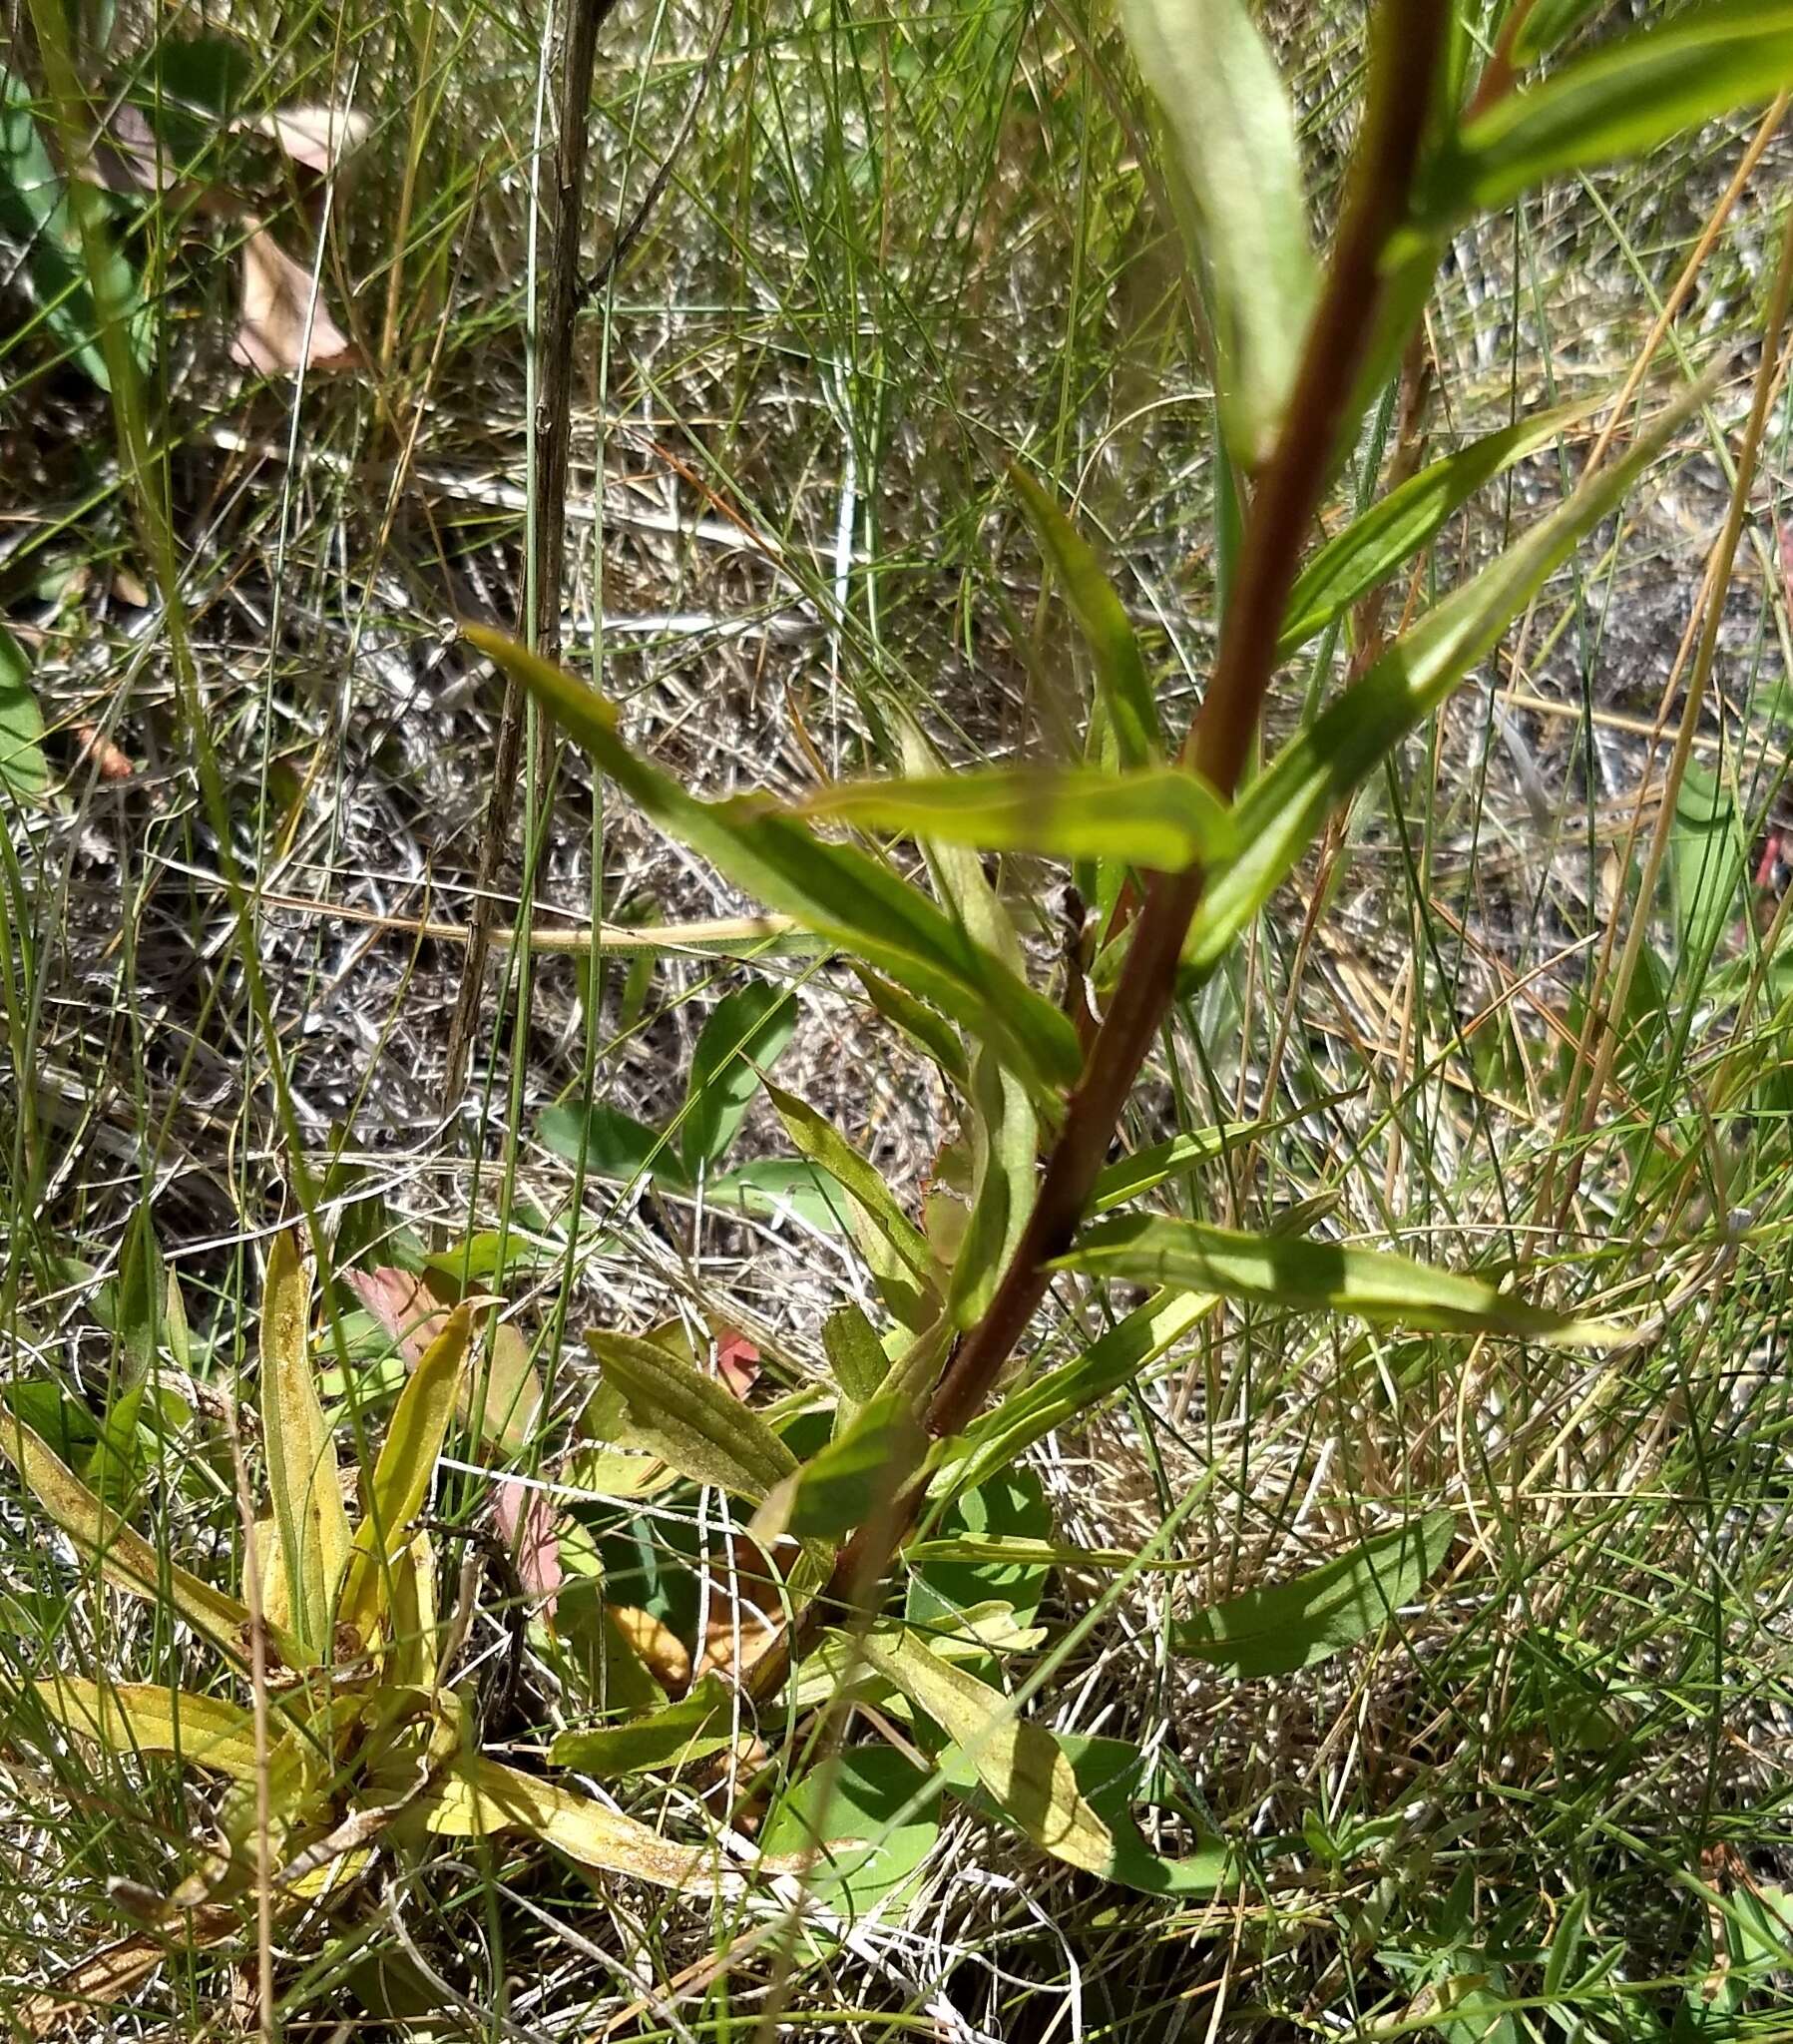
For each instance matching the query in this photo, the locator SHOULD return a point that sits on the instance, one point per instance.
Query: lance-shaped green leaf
(1317, 1614)
(1398, 526)
(1019, 1765)
(123, 1555)
(769, 1188)
(891, 1244)
(1303, 1275)
(1001, 1437)
(691, 1422)
(402, 1475)
(1622, 100)
(1005, 1146)
(612, 1145)
(741, 1039)
(847, 1481)
(835, 890)
(1240, 174)
(1148, 1169)
(1160, 817)
(1546, 24)
(689, 1730)
(933, 1035)
(302, 1457)
(1281, 811)
(1120, 676)
(24, 771)
(143, 1717)
(855, 1355)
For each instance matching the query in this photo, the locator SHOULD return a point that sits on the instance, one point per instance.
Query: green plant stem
(1410, 40)
(554, 425)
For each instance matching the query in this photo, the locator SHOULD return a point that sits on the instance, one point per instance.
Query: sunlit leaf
(1020, 1764)
(302, 1457)
(676, 1736)
(1033, 1409)
(742, 1038)
(122, 1553)
(892, 1244)
(1162, 817)
(690, 1420)
(405, 1468)
(848, 1812)
(965, 1568)
(1707, 864)
(1239, 174)
(1300, 1275)
(855, 1355)
(1004, 1151)
(1120, 676)
(1307, 1618)
(847, 1480)
(1146, 1170)
(769, 1188)
(482, 1797)
(141, 1717)
(1281, 811)
(932, 1034)
(1399, 525)
(839, 892)
(1624, 99)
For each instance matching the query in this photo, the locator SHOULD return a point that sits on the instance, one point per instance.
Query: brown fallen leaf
(284, 327)
(320, 139)
(96, 746)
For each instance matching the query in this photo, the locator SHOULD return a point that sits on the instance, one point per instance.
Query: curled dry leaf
(284, 327)
(318, 139)
(112, 763)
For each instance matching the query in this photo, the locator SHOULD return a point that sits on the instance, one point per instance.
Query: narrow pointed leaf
(932, 1034)
(1300, 1275)
(1031, 1410)
(143, 1717)
(24, 770)
(741, 1039)
(689, 1730)
(1019, 1764)
(612, 1145)
(836, 892)
(123, 1555)
(1241, 175)
(1005, 1146)
(845, 1482)
(1148, 1169)
(1320, 1613)
(1396, 528)
(769, 1188)
(1281, 811)
(1120, 676)
(892, 1244)
(404, 1471)
(690, 1421)
(302, 1457)
(1622, 100)
(1160, 817)
(855, 1355)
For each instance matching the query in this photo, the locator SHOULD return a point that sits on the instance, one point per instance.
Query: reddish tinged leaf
(530, 1528)
(738, 1362)
(282, 329)
(402, 1304)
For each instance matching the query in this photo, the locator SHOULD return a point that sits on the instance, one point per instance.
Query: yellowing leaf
(1304, 1276)
(123, 1555)
(690, 1420)
(480, 1798)
(698, 1725)
(301, 1459)
(141, 1717)
(1020, 1764)
(834, 890)
(402, 1475)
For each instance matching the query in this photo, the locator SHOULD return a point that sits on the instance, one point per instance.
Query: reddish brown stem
(1219, 746)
